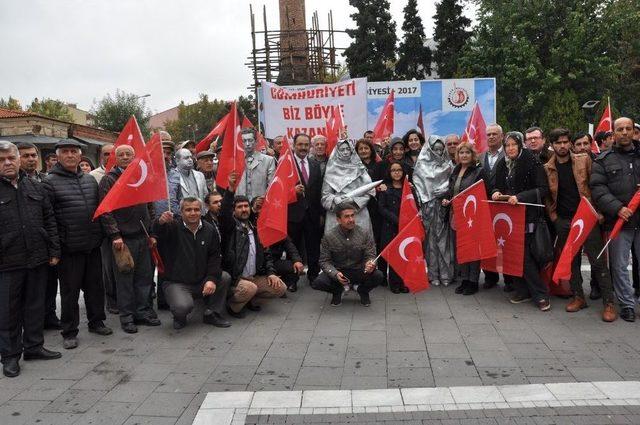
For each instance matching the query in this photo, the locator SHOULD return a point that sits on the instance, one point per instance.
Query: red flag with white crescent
(508, 226)
(476, 131)
(144, 180)
(406, 256)
(408, 208)
(420, 124)
(231, 156)
(582, 223)
(605, 124)
(130, 135)
(205, 143)
(334, 126)
(472, 218)
(385, 125)
(633, 206)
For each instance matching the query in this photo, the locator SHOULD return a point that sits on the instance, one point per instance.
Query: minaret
(294, 46)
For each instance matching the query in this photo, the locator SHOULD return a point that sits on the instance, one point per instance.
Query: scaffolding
(311, 61)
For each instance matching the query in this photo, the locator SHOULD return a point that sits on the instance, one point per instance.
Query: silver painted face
(438, 148)
(184, 160)
(249, 143)
(344, 152)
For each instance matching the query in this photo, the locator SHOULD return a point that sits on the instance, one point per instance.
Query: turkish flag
(130, 135)
(144, 180)
(205, 144)
(272, 221)
(633, 206)
(157, 259)
(508, 227)
(476, 131)
(384, 126)
(405, 254)
(291, 179)
(605, 124)
(261, 142)
(420, 124)
(583, 222)
(231, 157)
(408, 208)
(334, 125)
(472, 218)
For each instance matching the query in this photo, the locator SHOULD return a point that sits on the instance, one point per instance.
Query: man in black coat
(29, 244)
(74, 197)
(124, 227)
(304, 215)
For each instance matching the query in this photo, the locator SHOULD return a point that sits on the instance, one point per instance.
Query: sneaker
(628, 314)
(435, 283)
(544, 305)
(100, 329)
(519, 299)
(179, 323)
(364, 299)
(336, 299)
(129, 327)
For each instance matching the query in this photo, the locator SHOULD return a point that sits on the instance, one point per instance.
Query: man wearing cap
(205, 162)
(74, 197)
(29, 243)
(259, 168)
(105, 153)
(347, 254)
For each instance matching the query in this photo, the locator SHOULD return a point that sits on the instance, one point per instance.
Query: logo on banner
(458, 97)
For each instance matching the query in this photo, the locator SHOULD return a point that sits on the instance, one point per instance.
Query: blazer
(309, 203)
(182, 191)
(490, 173)
(256, 176)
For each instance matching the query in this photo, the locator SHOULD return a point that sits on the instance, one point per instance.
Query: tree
(564, 111)
(450, 35)
(113, 112)
(11, 103)
(372, 50)
(414, 58)
(51, 108)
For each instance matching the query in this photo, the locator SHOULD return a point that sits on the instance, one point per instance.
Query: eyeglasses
(528, 139)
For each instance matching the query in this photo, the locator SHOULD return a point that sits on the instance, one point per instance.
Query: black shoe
(364, 299)
(253, 307)
(100, 329)
(11, 367)
(336, 299)
(628, 314)
(41, 354)
(395, 289)
(459, 289)
(489, 284)
(404, 289)
(179, 323)
(508, 287)
(238, 315)
(470, 288)
(216, 320)
(384, 282)
(293, 287)
(130, 328)
(53, 323)
(148, 321)
(596, 293)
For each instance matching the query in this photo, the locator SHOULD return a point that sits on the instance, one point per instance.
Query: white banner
(305, 109)
(382, 89)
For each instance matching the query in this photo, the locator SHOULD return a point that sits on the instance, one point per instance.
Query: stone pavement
(161, 376)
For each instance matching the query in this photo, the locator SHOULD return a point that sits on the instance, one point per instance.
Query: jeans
(619, 250)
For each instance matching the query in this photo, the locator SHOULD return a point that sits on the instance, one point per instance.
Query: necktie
(303, 171)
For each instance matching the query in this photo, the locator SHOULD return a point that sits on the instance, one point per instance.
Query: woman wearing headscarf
(345, 172)
(431, 181)
(521, 176)
(466, 173)
(367, 154)
(396, 153)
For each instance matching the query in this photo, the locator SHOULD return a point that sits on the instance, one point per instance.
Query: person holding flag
(521, 178)
(466, 173)
(614, 184)
(568, 175)
(126, 230)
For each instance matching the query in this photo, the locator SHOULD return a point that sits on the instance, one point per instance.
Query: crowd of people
(203, 241)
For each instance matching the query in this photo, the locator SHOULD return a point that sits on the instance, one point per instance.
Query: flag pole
(519, 203)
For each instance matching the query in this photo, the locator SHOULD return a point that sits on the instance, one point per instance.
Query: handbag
(542, 249)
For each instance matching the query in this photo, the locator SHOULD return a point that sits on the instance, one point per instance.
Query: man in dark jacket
(124, 227)
(192, 264)
(74, 197)
(249, 264)
(615, 177)
(29, 244)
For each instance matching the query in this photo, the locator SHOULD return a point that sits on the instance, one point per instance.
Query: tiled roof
(9, 113)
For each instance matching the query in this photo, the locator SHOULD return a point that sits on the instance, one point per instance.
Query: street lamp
(589, 109)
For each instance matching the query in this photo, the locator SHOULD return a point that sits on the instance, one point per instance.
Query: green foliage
(11, 103)
(112, 112)
(51, 108)
(374, 41)
(450, 35)
(414, 58)
(564, 111)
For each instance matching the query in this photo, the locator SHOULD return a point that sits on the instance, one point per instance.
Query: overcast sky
(79, 50)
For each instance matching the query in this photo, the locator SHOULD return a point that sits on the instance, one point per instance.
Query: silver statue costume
(344, 173)
(431, 180)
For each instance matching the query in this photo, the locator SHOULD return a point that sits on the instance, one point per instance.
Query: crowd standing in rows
(210, 248)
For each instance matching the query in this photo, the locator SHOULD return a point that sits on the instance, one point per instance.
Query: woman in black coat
(466, 173)
(367, 155)
(521, 176)
(389, 207)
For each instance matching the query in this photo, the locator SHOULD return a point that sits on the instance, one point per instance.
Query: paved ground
(161, 376)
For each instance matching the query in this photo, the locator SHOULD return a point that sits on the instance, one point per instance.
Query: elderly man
(193, 265)
(126, 227)
(320, 154)
(105, 154)
(277, 146)
(26, 215)
(74, 196)
(347, 254)
(205, 164)
(259, 168)
(192, 182)
(535, 141)
(451, 142)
